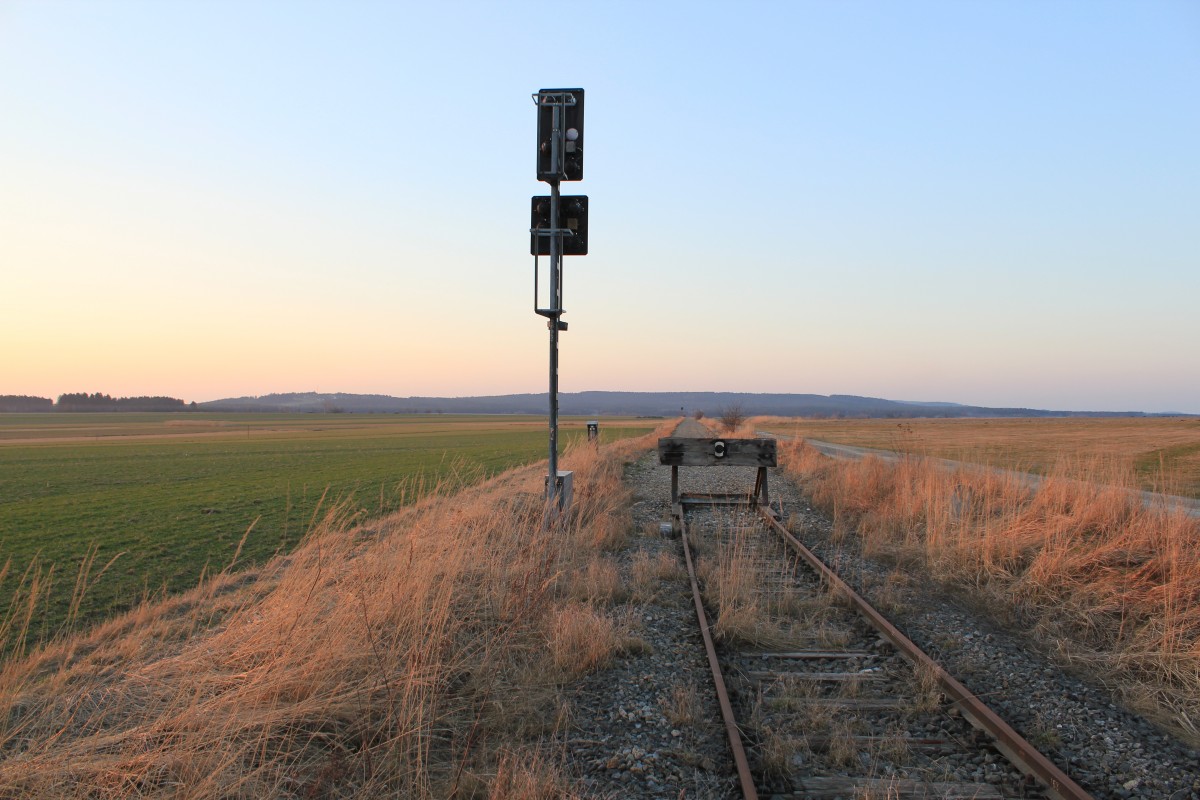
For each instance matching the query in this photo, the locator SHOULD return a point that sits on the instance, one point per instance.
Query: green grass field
(173, 494)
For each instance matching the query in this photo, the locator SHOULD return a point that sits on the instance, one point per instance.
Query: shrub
(732, 417)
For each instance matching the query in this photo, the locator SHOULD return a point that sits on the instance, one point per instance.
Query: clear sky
(994, 203)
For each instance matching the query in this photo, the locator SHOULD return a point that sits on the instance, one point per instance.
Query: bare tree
(732, 416)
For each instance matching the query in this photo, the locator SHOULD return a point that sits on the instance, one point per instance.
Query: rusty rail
(745, 778)
(1022, 754)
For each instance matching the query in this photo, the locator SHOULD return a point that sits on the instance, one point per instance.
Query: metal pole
(556, 156)
(556, 309)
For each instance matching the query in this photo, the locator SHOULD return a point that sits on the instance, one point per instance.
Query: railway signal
(558, 227)
(560, 135)
(572, 221)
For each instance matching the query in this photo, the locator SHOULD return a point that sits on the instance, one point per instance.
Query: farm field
(1157, 454)
(170, 496)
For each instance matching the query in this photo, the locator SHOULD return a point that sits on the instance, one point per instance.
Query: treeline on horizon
(97, 401)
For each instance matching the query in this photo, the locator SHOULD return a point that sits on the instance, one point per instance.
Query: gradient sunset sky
(995, 203)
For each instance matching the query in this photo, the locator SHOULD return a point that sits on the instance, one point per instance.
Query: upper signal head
(560, 135)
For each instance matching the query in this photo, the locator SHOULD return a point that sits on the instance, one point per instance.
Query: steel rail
(1022, 754)
(745, 777)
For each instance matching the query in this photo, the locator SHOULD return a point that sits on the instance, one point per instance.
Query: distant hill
(658, 404)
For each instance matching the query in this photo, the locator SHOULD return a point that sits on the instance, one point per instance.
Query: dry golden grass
(889, 791)
(752, 593)
(530, 775)
(842, 750)
(1164, 453)
(682, 707)
(1100, 574)
(648, 572)
(778, 751)
(894, 745)
(927, 692)
(744, 430)
(583, 639)
(390, 660)
(599, 582)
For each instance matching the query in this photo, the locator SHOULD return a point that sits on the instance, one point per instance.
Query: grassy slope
(416, 657)
(174, 494)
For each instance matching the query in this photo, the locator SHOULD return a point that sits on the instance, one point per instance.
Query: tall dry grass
(754, 594)
(1110, 580)
(1164, 453)
(743, 428)
(413, 656)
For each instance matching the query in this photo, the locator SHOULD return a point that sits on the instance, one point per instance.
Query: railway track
(821, 696)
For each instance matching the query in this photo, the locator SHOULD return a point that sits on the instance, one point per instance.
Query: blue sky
(989, 203)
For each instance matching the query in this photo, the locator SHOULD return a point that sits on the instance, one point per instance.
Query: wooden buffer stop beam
(681, 452)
